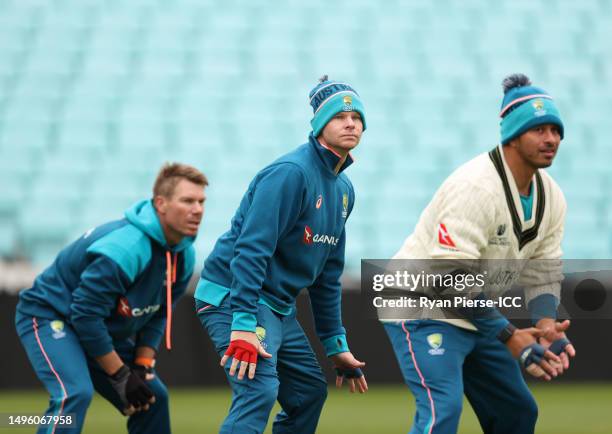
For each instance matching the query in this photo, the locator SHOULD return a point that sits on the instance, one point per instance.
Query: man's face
(343, 131)
(181, 213)
(538, 146)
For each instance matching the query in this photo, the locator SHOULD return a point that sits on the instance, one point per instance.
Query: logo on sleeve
(435, 342)
(319, 201)
(444, 238)
(58, 329)
(345, 203)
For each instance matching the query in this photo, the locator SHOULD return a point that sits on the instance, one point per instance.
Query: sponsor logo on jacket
(312, 238)
(444, 238)
(124, 309)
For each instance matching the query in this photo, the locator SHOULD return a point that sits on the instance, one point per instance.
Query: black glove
(143, 371)
(132, 390)
(349, 373)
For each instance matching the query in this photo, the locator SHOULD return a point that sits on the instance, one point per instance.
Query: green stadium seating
(96, 95)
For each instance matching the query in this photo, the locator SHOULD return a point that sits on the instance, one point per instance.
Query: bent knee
(80, 395)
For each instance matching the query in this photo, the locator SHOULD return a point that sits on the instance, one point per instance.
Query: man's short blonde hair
(171, 173)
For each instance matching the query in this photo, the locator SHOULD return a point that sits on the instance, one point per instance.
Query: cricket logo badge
(345, 205)
(58, 329)
(538, 105)
(348, 103)
(260, 332)
(435, 342)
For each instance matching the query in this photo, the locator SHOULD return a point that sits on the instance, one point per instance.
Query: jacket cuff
(491, 326)
(244, 321)
(150, 338)
(335, 344)
(543, 306)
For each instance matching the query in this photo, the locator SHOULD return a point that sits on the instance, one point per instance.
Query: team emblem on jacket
(435, 342)
(499, 239)
(444, 238)
(123, 307)
(345, 205)
(58, 329)
(319, 201)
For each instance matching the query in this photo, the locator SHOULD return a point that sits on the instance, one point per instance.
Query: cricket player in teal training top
(287, 234)
(95, 318)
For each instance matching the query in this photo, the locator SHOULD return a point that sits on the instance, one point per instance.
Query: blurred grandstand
(95, 95)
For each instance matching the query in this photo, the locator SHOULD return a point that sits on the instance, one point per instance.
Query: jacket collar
(328, 158)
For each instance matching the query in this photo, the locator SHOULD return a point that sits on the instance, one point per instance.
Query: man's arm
(274, 207)
(542, 278)
(466, 211)
(102, 282)
(92, 302)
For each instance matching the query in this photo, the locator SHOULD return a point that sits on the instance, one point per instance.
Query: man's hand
(554, 338)
(132, 390)
(244, 348)
(145, 373)
(533, 357)
(347, 366)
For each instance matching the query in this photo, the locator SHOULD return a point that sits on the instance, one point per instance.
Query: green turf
(564, 409)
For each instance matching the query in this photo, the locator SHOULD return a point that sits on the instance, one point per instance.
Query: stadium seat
(95, 96)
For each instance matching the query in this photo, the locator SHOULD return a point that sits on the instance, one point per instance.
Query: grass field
(564, 409)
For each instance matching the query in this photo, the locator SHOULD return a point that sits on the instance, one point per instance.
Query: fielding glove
(530, 359)
(243, 351)
(349, 373)
(558, 346)
(132, 390)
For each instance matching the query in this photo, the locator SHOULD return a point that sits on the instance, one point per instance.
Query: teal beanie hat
(525, 106)
(329, 98)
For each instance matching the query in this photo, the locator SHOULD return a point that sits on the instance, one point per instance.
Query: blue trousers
(440, 363)
(70, 376)
(292, 376)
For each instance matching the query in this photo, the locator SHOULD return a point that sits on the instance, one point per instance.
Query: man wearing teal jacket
(95, 318)
(287, 234)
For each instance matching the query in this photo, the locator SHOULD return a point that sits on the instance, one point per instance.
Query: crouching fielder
(287, 234)
(93, 320)
(500, 205)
